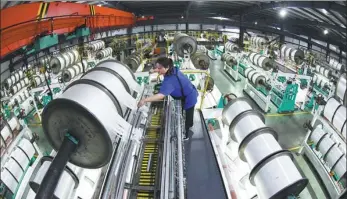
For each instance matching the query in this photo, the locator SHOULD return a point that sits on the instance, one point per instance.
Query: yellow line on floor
(285, 114)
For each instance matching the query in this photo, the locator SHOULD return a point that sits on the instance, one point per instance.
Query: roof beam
(336, 17)
(299, 4)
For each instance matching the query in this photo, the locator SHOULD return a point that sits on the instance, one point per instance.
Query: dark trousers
(189, 119)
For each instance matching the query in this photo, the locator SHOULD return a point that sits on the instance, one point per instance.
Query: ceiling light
(255, 23)
(220, 18)
(325, 11)
(182, 17)
(325, 31)
(283, 12)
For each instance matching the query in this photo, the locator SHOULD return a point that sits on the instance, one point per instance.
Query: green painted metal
(285, 101)
(192, 77)
(46, 42)
(80, 32)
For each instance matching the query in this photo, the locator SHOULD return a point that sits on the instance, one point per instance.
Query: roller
(8, 128)
(335, 113)
(96, 45)
(67, 183)
(15, 88)
(13, 79)
(184, 42)
(323, 71)
(73, 71)
(9, 180)
(73, 107)
(296, 55)
(59, 62)
(104, 53)
(340, 168)
(14, 168)
(258, 42)
(333, 156)
(231, 47)
(258, 79)
(333, 63)
(341, 89)
(133, 61)
(44, 60)
(261, 61)
(317, 135)
(258, 146)
(37, 81)
(229, 59)
(200, 61)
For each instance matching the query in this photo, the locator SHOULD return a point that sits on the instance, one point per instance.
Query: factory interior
(269, 121)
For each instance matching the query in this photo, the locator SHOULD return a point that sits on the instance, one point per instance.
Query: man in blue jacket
(177, 85)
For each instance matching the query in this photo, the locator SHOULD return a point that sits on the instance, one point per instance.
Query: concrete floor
(289, 127)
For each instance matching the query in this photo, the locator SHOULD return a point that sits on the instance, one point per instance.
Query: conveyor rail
(146, 183)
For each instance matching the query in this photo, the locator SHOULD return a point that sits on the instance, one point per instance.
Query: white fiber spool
(6, 133)
(248, 70)
(325, 145)
(330, 108)
(76, 55)
(21, 157)
(38, 80)
(341, 89)
(27, 147)
(57, 63)
(335, 64)
(71, 58)
(339, 120)
(67, 182)
(250, 75)
(245, 126)
(333, 156)
(8, 179)
(317, 135)
(278, 178)
(255, 59)
(336, 114)
(14, 123)
(16, 169)
(340, 168)
(283, 48)
(26, 105)
(259, 147)
(234, 108)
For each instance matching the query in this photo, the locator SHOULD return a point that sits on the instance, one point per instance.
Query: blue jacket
(171, 86)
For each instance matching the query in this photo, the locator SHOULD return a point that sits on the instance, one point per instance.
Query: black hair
(166, 63)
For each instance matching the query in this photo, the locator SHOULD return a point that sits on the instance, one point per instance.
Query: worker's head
(163, 65)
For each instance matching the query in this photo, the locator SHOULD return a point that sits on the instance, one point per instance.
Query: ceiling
(302, 17)
(309, 18)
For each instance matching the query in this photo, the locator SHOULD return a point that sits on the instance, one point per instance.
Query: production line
(101, 145)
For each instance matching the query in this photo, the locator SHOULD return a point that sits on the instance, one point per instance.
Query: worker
(177, 85)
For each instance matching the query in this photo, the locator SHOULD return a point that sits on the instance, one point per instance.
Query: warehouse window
(320, 42)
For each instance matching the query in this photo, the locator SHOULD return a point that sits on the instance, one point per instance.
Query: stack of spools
(257, 78)
(14, 168)
(74, 70)
(272, 171)
(261, 61)
(296, 55)
(64, 60)
(331, 152)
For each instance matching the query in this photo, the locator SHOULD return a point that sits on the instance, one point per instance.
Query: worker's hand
(141, 103)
